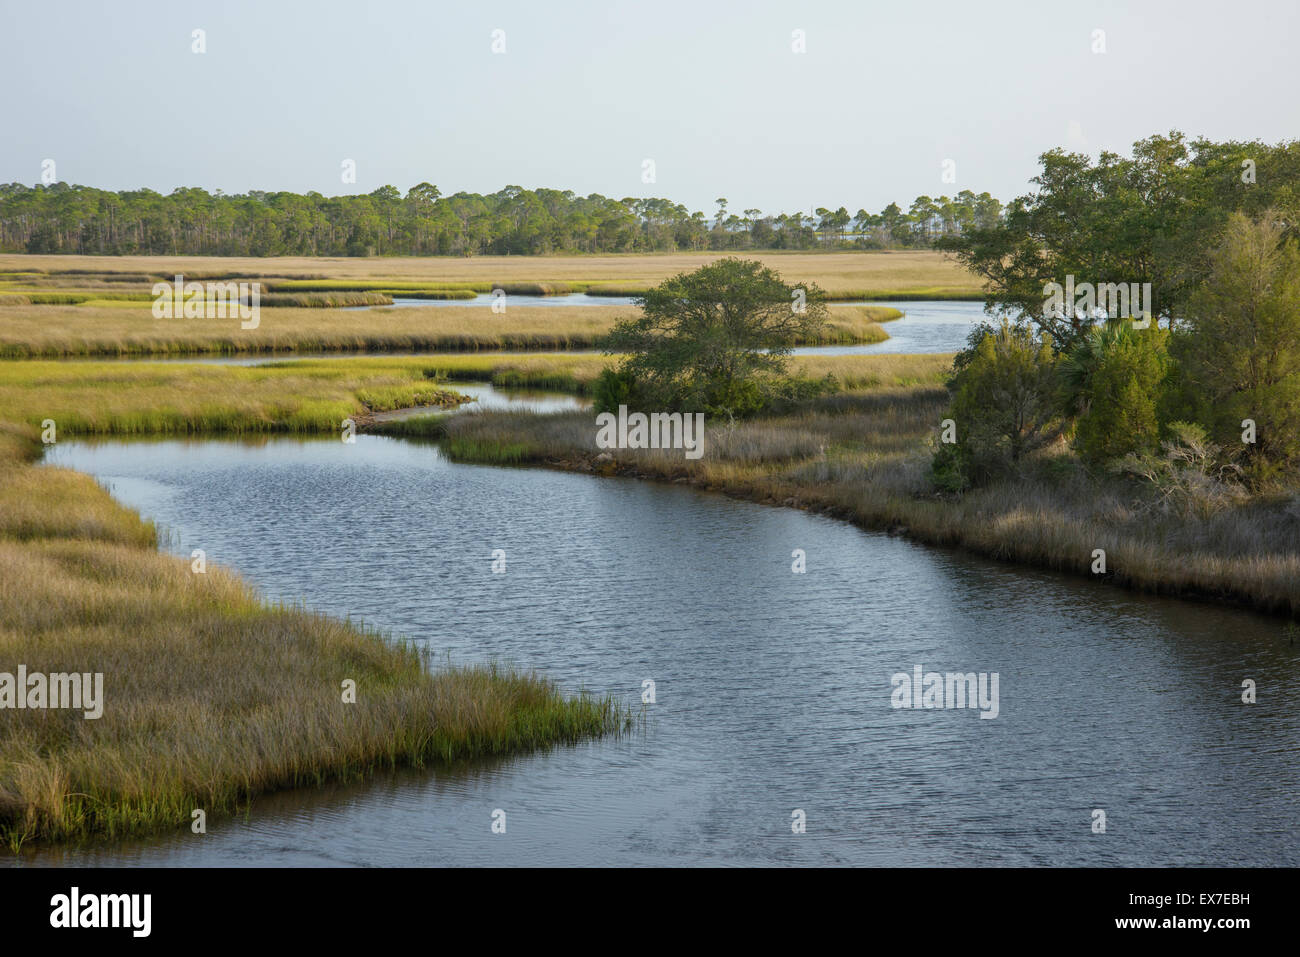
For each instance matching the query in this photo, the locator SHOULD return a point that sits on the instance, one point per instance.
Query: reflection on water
(925, 327)
(773, 688)
(486, 397)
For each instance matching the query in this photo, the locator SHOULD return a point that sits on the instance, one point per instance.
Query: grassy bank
(211, 696)
(88, 398)
(864, 457)
(112, 328)
(315, 395)
(577, 374)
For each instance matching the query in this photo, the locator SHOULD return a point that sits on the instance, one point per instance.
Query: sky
(778, 105)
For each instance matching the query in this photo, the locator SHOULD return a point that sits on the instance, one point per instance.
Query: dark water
(773, 688)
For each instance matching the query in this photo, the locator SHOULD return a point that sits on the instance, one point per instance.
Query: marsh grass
(98, 398)
(74, 298)
(967, 293)
(432, 290)
(577, 373)
(885, 293)
(431, 426)
(891, 272)
(491, 452)
(211, 696)
(864, 456)
(325, 300)
(315, 395)
(858, 372)
(299, 323)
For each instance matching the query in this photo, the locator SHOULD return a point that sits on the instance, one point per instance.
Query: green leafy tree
(1150, 217)
(1239, 345)
(716, 340)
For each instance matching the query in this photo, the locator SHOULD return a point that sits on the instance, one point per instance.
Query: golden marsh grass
(887, 272)
(211, 696)
(130, 329)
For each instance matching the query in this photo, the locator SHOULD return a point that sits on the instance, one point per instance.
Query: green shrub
(612, 388)
(1239, 347)
(1003, 403)
(949, 471)
(1113, 380)
(717, 340)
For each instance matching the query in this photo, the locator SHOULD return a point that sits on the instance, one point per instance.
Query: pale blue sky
(586, 91)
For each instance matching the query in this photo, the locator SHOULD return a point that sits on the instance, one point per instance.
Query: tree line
(1202, 398)
(63, 218)
(1196, 391)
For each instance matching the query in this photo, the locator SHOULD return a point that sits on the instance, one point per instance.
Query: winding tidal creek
(775, 692)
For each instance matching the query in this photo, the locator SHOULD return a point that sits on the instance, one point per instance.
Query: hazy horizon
(583, 96)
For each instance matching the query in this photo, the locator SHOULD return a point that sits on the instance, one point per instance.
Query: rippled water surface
(773, 688)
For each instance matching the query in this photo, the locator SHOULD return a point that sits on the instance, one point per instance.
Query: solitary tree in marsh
(715, 340)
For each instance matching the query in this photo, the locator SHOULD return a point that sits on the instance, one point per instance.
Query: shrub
(1240, 345)
(1188, 478)
(612, 388)
(1113, 380)
(949, 471)
(1003, 404)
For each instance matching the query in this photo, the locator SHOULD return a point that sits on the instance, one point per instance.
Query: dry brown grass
(838, 272)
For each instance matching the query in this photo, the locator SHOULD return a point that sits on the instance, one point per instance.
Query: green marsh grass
(325, 300)
(431, 426)
(99, 398)
(315, 395)
(211, 696)
(490, 452)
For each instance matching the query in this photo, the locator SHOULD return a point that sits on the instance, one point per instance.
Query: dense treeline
(1201, 399)
(60, 218)
(1155, 216)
